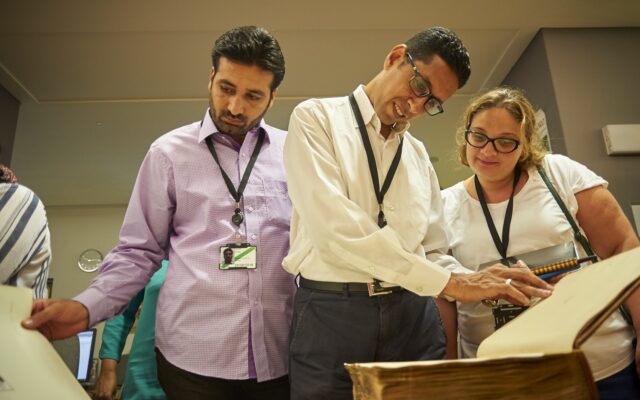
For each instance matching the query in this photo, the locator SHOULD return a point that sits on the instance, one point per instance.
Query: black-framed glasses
(421, 88)
(500, 144)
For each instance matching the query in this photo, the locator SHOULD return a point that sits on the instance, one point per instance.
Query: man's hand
(106, 385)
(57, 318)
(515, 285)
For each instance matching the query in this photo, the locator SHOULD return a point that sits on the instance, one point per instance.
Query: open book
(535, 356)
(29, 366)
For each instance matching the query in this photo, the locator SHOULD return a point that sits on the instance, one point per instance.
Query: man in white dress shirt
(366, 233)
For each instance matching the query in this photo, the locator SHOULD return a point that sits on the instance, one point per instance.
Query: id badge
(238, 256)
(503, 313)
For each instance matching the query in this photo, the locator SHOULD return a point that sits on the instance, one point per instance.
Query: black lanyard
(501, 245)
(382, 221)
(237, 217)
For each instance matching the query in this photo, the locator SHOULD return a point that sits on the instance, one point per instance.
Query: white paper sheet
(29, 366)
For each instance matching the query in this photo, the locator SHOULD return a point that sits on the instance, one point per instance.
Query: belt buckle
(375, 289)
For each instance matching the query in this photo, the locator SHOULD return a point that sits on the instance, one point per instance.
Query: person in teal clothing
(141, 380)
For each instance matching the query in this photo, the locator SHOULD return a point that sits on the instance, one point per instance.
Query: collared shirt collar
(370, 117)
(209, 128)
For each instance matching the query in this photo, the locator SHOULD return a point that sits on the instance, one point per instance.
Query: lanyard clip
(382, 220)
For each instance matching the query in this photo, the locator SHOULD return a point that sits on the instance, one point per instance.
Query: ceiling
(100, 80)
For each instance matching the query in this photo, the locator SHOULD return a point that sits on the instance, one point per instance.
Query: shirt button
(254, 236)
(249, 208)
(390, 207)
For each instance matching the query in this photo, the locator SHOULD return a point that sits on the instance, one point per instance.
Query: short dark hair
(250, 45)
(444, 43)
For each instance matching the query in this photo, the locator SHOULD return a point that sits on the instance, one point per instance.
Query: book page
(580, 303)
(390, 365)
(29, 366)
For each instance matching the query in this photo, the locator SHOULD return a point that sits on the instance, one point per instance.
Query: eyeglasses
(420, 87)
(500, 144)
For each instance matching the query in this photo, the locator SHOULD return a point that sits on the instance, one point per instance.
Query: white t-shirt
(537, 222)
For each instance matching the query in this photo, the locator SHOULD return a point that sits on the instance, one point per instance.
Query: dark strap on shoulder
(576, 231)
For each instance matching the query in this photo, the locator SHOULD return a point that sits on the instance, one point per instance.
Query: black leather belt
(357, 288)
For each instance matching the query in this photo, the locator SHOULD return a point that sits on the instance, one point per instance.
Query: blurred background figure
(141, 379)
(25, 249)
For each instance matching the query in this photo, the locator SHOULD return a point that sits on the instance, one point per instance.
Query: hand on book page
(579, 305)
(57, 318)
(30, 368)
(516, 285)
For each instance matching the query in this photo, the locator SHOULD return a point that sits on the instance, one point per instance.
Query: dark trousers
(621, 386)
(330, 329)
(179, 384)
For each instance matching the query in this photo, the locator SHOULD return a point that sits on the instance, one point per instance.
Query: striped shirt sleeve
(25, 249)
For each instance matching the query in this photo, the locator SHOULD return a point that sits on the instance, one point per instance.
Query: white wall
(73, 230)
(585, 79)
(9, 107)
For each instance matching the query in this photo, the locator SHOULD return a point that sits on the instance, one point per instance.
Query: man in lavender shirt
(222, 329)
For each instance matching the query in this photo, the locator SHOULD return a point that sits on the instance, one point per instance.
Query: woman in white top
(499, 142)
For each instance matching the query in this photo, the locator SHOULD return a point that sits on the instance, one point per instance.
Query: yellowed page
(580, 302)
(549, 377)
(433, 363)
(29, 366)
